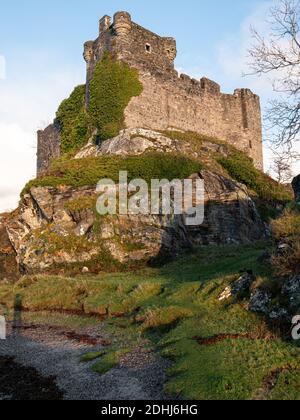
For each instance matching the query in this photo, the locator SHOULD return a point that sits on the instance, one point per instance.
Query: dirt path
(51, 358)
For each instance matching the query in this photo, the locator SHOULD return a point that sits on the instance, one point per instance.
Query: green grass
(89, 171)
(171, 306)
(90, 357)
(240, 167)
(109, 361)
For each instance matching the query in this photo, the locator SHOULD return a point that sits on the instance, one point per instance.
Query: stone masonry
(170, 101)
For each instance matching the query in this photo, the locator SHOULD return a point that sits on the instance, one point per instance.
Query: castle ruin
(169, 101)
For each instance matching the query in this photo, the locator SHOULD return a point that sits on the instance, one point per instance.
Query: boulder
(260, 301)
(291, 291)
(278, 314)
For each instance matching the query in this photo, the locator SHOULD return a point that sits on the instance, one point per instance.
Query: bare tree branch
(279, 56)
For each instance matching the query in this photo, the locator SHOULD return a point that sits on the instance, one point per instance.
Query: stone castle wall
(48, 147)
(170, 101)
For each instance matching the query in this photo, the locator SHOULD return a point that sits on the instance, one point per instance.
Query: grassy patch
(90, 357)
(240, 167)
(109, 361)
(192, 137)
(89, 171)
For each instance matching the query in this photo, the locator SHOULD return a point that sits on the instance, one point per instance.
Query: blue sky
(41, 45)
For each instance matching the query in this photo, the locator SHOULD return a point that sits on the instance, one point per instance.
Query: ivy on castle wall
(112, 87)
(74, 121)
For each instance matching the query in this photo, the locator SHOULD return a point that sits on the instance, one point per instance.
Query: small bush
(113, 85)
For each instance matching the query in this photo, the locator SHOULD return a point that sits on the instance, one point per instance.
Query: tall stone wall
(48, 147)
(182, 104)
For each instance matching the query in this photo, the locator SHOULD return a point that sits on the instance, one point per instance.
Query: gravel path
(53, 353)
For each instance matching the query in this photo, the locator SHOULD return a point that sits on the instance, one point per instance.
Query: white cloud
(17, 162)
(2, 67)
(26, 105)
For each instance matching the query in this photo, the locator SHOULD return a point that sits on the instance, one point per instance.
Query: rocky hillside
(56, 227)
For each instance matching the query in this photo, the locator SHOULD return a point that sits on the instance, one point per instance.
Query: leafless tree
(278, 55)
(282, 164)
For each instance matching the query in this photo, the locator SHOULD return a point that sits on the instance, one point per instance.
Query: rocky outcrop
(296, 188)
(260, 301)
(137, 141)
(58, 228)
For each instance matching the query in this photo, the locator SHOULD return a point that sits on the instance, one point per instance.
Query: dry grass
(287, 229)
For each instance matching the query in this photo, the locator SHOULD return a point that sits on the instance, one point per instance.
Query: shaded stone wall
(48, 147)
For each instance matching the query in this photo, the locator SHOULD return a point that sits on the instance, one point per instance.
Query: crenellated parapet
(122, 23)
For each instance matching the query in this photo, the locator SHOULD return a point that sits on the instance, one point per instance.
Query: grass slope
(219, 350)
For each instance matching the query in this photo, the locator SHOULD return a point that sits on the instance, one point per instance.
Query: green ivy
(73, 121)
(113, 85)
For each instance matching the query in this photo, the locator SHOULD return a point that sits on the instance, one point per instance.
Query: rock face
(296, 188)
(291, 291)
(8, 264)
(48, 146)
(57, 228)
(136, 141)
(260, 301)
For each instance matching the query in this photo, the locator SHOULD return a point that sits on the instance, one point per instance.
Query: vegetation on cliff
(113, 85)
(73, 121)
(88, 171)
(111, 88)
(241, 168)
